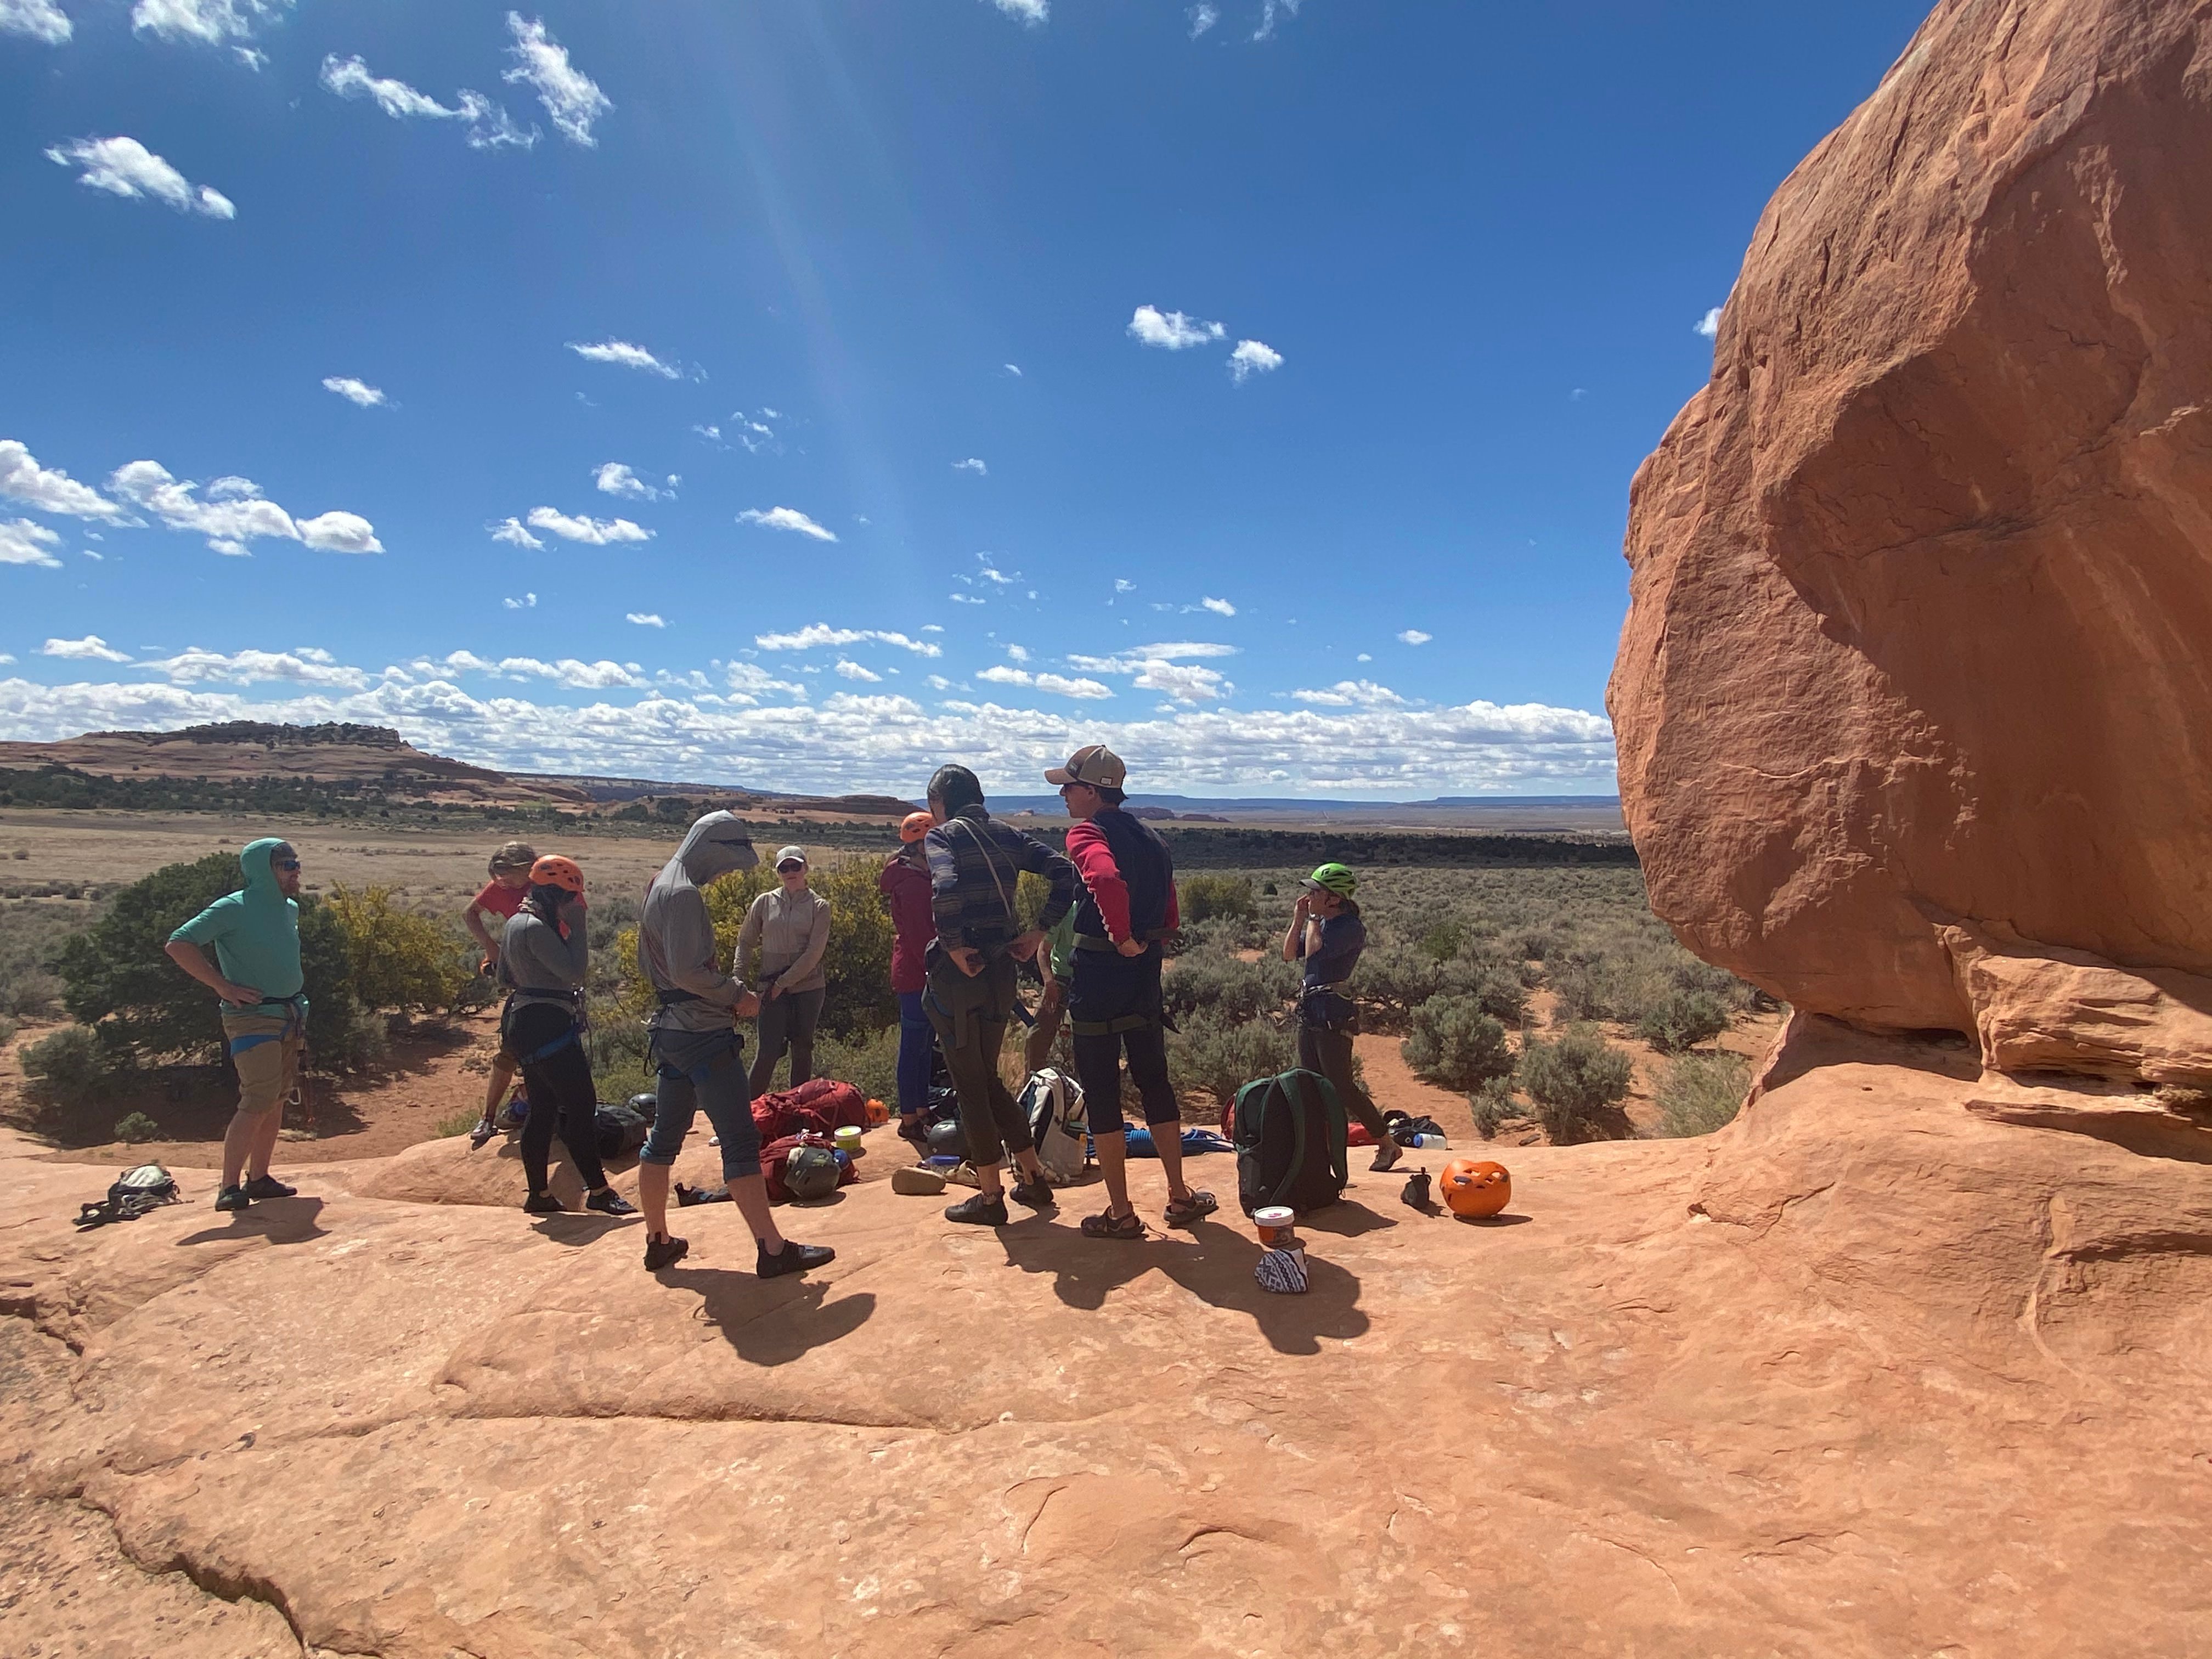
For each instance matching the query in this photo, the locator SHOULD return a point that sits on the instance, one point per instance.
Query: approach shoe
(665, 1253)
(981, 1211)
(232, 1197)
(485, 1131)
(793, 1258)
(1387, 1156)
(1037, 1194)
(263, 1186)
(542, 1204)
(610, 1202)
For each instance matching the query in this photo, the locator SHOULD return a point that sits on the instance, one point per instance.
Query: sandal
(1109, 1226)
(1181, 1211)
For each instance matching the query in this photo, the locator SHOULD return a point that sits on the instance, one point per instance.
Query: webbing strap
(1094, 942)
(1112, 1027)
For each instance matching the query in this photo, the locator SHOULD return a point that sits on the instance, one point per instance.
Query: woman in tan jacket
(789, 926)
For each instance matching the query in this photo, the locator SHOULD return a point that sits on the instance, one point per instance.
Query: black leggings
(1104, 989)
(561, 1095)
(1329, 1052)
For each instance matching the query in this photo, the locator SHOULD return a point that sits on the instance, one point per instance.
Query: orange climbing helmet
(914, 826)
(554, 871)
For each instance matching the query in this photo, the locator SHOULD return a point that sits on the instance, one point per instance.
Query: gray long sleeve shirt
(676, 935)
(541, 966)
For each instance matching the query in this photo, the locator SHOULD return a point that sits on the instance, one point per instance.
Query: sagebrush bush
(1392, 981)
(1576, 1082)
(1701, 1093)
(1682, 1019)
(1220, 1057)
(869, 1062)
(1228, 990)
(1454, 1044)
(32, 932)
(1493, 1104)
(403, 960)
(1205, 897)
(1493, 982)
(70, 1068)
(133, 1128)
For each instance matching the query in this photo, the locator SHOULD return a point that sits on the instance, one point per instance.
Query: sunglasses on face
(284, 864)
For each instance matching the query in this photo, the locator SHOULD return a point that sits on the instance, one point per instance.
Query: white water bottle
(1431, 1143)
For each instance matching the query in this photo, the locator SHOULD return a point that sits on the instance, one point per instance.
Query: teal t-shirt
(1062, 940)
(255, 934)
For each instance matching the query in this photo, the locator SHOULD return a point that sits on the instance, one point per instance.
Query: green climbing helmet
(1334, 878)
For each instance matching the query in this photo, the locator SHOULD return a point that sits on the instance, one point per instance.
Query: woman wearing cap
(499, 898)
(1327, 934)
(905, 886)
(542, 957)
(789, 926)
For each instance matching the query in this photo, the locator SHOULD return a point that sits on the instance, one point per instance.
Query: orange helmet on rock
(1473, 1189)
(914, 826)
(554, 871)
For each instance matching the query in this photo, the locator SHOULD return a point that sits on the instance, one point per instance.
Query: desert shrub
(868, 1061)
(1205, 897)
(9, 1026)
(1491, 981)
(1682, 1019)
(1228, 990)
(617, 1047)
(1701, 1093)
(456, 1123)
(1220, 1057)
(1393, 981)
(1493, 1104)
(69, 1068)
(1574, 1081)
(31, 933)
(403, 960)
(1455, 1044)
(857, 963)
(1445, 940)
(133, 1128)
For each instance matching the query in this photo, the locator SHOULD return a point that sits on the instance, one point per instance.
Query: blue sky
(1253, 386)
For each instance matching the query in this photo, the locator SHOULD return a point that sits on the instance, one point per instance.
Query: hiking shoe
(485, 1131)
(793, 1258)
(542, 1204)
(232, 1197)
(263, 1186)
(610, 1202)
(1037, 1194)
(665, 1253)
(1387, 1156)
(981, 1211)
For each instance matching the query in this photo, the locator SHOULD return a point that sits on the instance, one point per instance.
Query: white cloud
(1128, 662)
(1414, 637)
(614, 478)
(1202, 18)
(647, 619)
(354, 391)
(303, 666)
(210, 22)
(597, 531)
(787, 518)
(1014, 369)
(489, 125)
(51, 489)
(1267, 10)
(1172, 329)
(1058, 685)
(629, 355)
(568, 672)
(91, 648)
(235, 513)
(1353, 694)
(510, 530)
(1123, 585)
(528, 601)
(1710, 324)
(22, 542)
(42, 20)
(1018, 652)
(815, 635)
(932, 627)
(971, 465)
(1183, 682)
(571, 97)
(966, 598)
(749, 681)
(1366, 656)
(1219, 607)
(1032, 12)
(124, 166)
(852, 670)
(1252, 357)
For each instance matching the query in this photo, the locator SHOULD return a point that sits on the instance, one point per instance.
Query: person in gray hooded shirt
(697, 1050)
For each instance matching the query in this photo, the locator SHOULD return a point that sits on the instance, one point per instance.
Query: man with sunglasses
(256, 971)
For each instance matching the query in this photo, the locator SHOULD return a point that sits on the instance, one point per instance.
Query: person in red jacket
(905, 886)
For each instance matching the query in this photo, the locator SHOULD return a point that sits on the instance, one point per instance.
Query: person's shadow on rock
(1346, 1218)
(279, 1220)
(770, 1322)
(579, 1230)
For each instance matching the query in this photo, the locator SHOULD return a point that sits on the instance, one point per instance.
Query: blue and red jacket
(1128, 879)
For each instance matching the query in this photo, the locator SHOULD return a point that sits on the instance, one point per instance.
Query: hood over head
(716, 845)
(253, 863)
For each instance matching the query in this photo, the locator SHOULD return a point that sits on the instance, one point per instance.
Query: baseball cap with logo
(790, 855)
(1094, 764)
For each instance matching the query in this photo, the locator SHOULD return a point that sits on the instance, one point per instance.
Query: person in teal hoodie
(256, 971)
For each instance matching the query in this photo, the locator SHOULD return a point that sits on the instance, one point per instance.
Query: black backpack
(1290, 1137)
(622, 1130)
(131, 1194)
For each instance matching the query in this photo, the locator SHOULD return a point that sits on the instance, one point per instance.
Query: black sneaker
(263, 1186)
(980, 1211)
(1037, 1194)
(542, 1204)
(793, 1258)
(232, 1197)
(610, 1202)
(665, 1253)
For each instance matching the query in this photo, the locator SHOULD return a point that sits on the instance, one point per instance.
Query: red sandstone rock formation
(1921, 584)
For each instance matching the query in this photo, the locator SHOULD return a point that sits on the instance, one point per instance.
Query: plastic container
(1274, 1222)
(849, 1139)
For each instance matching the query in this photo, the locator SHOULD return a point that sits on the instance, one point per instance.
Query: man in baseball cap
(1127, 908)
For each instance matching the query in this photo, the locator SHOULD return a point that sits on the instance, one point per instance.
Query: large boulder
(1922, 578)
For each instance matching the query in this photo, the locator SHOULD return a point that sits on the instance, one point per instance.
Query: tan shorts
(266, 1052)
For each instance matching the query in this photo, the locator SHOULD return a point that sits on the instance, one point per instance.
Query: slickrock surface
(1922, 578)
(1869, 1373)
